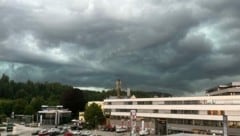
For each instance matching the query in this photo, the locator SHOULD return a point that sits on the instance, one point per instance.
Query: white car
(121, 129)
(76, 132)
(143, 132)
(85, 133)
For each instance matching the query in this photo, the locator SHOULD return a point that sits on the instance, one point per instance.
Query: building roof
(223, 86)
(177, 98)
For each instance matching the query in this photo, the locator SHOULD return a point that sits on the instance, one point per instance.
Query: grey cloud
(222, 7)
(150, 45)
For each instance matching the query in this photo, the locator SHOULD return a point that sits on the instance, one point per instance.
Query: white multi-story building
(201, 114)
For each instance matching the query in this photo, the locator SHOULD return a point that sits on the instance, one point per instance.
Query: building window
(191, 102)
(148, 103)
(234, 124)
(215, 112)
(144, 103)
(122, 110)
(184, 111)
(128, 103)
(173, 102)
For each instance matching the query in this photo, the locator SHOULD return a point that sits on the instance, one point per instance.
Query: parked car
(76, 132)
(68, 133)
(63, 129)
(109, 128)
(43, 132)
(121, 129)
(54, 131)
(143, 132)
(76, 127)
(2, 127)
(36, 132)
(85, 133)
(9, 127)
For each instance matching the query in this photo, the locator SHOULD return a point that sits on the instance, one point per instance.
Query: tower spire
(118, 87)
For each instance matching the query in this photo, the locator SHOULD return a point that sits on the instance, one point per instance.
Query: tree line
(27, 97)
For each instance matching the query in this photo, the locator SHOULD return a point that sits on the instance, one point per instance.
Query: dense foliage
(93, 115)
(99, 96)
(27, 98)
(74, 100)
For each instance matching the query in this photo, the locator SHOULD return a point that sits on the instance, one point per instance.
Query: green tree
(53, 100)
(73, 99)
(36, 103)
(94, 115)
(4, 85)
(19, 106)
(6, 107)
(2, 117)
(29, 110)
(21, 94)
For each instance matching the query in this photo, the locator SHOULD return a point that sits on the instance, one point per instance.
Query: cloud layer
(178, 46)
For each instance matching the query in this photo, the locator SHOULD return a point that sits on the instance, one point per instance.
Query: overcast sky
(176, 46)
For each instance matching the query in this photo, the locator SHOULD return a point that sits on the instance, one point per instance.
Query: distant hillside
(27, 98)
(99, 96)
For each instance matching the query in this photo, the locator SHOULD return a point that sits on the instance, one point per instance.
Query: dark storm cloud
(180, 46)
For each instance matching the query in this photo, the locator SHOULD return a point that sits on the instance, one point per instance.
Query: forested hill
(27, 98)
(99, 96)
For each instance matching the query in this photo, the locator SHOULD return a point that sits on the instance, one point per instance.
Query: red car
(68, 133)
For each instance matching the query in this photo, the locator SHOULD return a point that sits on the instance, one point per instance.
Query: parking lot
(21, 130)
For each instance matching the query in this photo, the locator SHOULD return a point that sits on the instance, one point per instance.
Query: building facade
(199, 115)
(53, 115)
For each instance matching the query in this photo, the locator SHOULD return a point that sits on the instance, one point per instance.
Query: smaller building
(20, 118)
(54, 115)
(232, 88)
(99, 103)
(81, 117)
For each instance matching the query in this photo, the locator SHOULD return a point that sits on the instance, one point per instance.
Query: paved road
(105, 133)
(20, 130)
